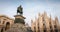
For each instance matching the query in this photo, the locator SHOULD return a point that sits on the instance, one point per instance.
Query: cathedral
(45, 23)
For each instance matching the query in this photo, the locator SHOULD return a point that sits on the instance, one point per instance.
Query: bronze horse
(19, 10)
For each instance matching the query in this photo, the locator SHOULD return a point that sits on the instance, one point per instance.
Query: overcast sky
(31, 8)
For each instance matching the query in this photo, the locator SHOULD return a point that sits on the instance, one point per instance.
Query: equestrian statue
(20, 10)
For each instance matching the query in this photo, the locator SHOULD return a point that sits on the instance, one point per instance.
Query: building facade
(5, 22)
(44, 23)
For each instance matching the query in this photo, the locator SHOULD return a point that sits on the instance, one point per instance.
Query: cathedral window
(34, 29)
(44, 30)
(51, 28)
(0, 20)
(56, 30)
(44, 27)
(38, 29)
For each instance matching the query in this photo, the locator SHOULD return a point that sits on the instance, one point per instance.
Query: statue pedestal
(19, 19)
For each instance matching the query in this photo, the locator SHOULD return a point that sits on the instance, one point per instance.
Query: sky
(31, 8)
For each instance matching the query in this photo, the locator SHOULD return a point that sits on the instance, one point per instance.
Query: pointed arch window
(0, 20)
(56, 30)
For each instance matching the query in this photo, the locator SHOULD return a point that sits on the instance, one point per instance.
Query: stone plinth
(19, 19)
(18, 27)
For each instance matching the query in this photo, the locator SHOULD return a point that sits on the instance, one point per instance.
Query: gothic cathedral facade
(45, 24)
